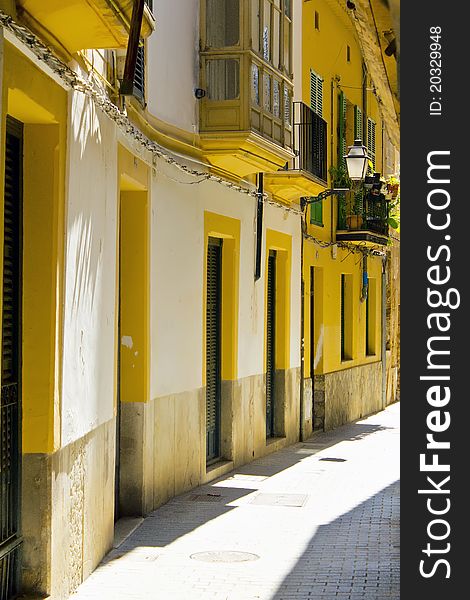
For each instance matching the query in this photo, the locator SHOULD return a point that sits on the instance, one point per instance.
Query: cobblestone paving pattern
(326, 527)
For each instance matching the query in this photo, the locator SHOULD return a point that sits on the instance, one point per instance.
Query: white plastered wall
(88, 381)
(177, 248)
(171, 83)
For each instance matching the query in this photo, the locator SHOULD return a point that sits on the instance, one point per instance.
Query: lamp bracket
(322, 195)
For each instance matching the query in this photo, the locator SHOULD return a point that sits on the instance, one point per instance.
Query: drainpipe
(364, 104)
(332, 116)
(384, 332)
(259, 225)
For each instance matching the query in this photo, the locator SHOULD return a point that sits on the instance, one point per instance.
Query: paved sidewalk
(318, 520)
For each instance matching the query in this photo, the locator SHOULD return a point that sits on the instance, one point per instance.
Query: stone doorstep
(123, 528)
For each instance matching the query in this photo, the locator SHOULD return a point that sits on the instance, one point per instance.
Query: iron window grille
(310, 141)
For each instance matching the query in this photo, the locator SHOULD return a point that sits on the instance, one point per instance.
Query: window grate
(310, 141)
(11, 363)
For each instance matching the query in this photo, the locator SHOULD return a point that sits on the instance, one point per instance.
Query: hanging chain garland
(74, 81)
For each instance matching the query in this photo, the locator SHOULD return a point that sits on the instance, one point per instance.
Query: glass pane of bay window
(255, 84)
(255, 25)
(267, 30)
(223, 79)
(287, 8)
(287, 107)
(277, 99)
(276, 37)
(287, 42)
(222, 23)
(267, 92)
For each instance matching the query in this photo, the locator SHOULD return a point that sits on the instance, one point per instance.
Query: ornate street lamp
(357, 161)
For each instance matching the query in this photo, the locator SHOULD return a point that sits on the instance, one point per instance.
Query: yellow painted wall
(324, 51)
(134, 297)
(133, 279)
(327, 305)
(34, 99)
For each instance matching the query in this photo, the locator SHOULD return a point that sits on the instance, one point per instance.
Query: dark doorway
(213, 348)
(117, 463)
(270, 342)
(10, 426)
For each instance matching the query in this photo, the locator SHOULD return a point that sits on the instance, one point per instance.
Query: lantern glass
(357, 161)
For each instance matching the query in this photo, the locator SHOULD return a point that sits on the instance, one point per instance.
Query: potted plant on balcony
(350, 205)
(354, 217)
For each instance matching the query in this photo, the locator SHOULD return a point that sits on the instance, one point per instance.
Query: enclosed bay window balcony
(306, 174)
(246, 114)
(85, 24)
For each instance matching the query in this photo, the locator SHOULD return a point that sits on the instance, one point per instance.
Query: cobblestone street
(317, 520)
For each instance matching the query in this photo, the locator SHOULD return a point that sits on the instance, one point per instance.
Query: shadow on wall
(87, 263)
(85, 122)
(356, 554)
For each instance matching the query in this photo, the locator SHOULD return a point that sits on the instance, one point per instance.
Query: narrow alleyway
(317, 520)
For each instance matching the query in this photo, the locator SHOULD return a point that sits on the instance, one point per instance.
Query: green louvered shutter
(270, 342)
(371, 141)
(213, 348)
(358, 124)
(316, 93)
(342, 149)
(139, 75)
(316, 213)
(10, 410)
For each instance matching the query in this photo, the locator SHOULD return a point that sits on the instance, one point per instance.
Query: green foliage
(393, 185)
(340, 176)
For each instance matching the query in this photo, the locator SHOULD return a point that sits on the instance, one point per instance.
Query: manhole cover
(333, 459)
(296, 500)
(224, 556)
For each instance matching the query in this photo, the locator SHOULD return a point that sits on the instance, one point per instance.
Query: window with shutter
(358, 123)
(342, 146)
(213, 348)
(316, 213)
(270, 342)
(10, 419)
(139, 75)
(316, 93)
(371, 141)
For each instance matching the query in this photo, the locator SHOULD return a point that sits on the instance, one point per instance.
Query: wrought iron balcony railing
(363, 211)
(309, 141)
